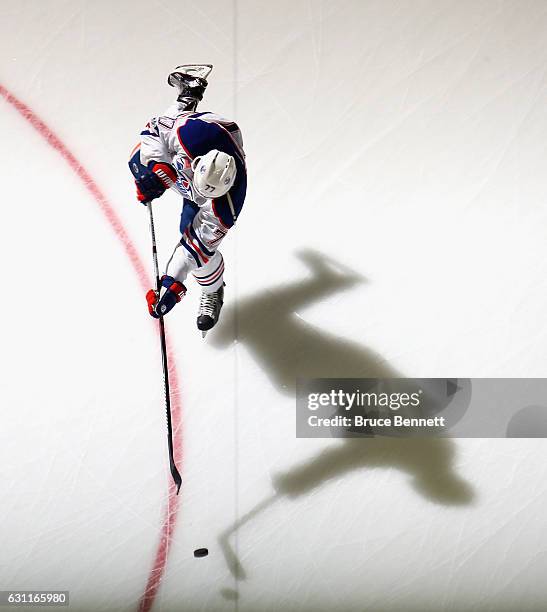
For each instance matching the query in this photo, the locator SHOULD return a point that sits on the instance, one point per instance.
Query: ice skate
(209, 310)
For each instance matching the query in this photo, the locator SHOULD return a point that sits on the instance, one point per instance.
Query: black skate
(209, 310)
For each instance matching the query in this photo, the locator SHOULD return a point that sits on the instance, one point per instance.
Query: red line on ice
(147, 599)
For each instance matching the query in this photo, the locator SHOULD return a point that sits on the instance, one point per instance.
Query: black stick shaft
(174, 471)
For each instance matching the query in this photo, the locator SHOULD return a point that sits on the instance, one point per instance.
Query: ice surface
(394, 225)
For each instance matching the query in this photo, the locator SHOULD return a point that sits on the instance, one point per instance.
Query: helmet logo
(203, 169)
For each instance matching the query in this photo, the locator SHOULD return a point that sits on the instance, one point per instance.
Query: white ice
(394, 226)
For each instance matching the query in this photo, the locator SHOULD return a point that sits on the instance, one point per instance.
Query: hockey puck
(200, 552)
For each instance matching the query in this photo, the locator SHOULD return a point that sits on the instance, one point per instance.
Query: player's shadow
(284, 345)
(286, 348)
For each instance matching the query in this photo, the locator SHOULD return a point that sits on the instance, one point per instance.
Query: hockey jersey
(178, 137)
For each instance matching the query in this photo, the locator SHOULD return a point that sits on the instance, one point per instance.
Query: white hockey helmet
(214, 174)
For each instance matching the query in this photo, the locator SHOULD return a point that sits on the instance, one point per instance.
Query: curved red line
(147, 599)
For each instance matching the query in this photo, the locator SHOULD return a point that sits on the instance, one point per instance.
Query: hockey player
(200, 156)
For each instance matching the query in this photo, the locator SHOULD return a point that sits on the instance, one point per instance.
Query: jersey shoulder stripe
(198, 136)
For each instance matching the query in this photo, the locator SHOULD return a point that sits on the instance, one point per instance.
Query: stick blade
(176, 477)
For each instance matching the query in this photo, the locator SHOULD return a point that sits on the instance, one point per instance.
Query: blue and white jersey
(178, 137)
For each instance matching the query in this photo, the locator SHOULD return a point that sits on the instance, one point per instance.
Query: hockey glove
(153, 183)
(174, 292)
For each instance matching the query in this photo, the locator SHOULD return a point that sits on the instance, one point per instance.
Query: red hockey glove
(174, 292)
(153, 183)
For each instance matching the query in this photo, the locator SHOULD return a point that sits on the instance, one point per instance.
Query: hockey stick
(173, 467)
